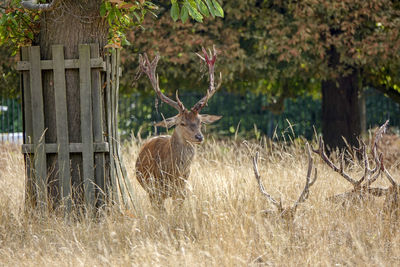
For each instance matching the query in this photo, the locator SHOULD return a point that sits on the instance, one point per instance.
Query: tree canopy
(282, 47)
(19, 19)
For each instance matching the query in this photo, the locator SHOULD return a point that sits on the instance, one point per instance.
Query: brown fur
(163, 164)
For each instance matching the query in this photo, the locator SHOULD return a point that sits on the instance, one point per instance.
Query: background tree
(288, 48)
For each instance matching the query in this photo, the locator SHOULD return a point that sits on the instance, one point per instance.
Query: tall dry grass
(221, 222)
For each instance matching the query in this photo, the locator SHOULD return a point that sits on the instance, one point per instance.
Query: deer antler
(261, 186)
(288, 213)
(370, 174)
(321, 152)
(210, 61)
(378, 135)
(306, 191)
(145, 66)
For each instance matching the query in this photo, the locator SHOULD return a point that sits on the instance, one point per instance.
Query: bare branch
(260, 184)
(210, 61)
(33, 5)
(145, 66)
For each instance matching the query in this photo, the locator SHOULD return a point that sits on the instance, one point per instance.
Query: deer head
(187, 122)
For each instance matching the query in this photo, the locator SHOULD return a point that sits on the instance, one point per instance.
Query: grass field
(221, 223)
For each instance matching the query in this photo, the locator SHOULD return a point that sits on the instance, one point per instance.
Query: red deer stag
(163, 164)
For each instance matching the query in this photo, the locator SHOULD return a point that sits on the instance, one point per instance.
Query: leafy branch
(19, 19)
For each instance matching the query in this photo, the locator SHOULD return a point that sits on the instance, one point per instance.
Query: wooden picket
(101, 156)
(62, 124)
(98, 128)
(38, 123)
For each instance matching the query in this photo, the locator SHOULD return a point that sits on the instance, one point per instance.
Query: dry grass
(220, 224)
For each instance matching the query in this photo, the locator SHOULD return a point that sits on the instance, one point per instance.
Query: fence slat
(99, 159)
(86, 123)
(28, 128)
(73, 148)
(62, 124)
(109, 128)
(30, 194)
(68, 64)
(38, 121)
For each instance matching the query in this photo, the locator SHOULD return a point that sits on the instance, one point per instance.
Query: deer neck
(182, 151)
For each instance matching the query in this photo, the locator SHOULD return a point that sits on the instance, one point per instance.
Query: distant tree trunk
(363, 112)
(74, 22)
(340, 107)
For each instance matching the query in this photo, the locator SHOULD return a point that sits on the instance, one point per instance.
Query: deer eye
(183, 124)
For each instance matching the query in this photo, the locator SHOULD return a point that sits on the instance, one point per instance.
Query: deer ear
(167, 123)
(207, 119)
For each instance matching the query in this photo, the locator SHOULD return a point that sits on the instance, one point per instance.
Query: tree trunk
(340, 108)
(72, 23)
(363, 112)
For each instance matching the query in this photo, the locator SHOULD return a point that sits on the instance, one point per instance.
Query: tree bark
(340, 108)
(363, 112)
(73, 22)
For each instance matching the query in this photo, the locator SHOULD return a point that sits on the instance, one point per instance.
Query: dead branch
(34, 5)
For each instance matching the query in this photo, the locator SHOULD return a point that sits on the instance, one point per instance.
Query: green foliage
(9, 78)
(123, 16)
(20, 26)
(174, 10)
(17, 26)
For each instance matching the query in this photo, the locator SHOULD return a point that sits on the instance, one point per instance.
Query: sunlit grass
(221, 222)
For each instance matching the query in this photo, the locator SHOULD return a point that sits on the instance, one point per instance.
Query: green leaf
(30, 35)
(193, 11)
(103, 9)
(111, 17)
(202, 7)
(175, 11)
(184, 14)
(125, 41)
(219, 12)
(210, 7)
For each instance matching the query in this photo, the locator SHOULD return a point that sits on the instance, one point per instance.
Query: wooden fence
(103, 173)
